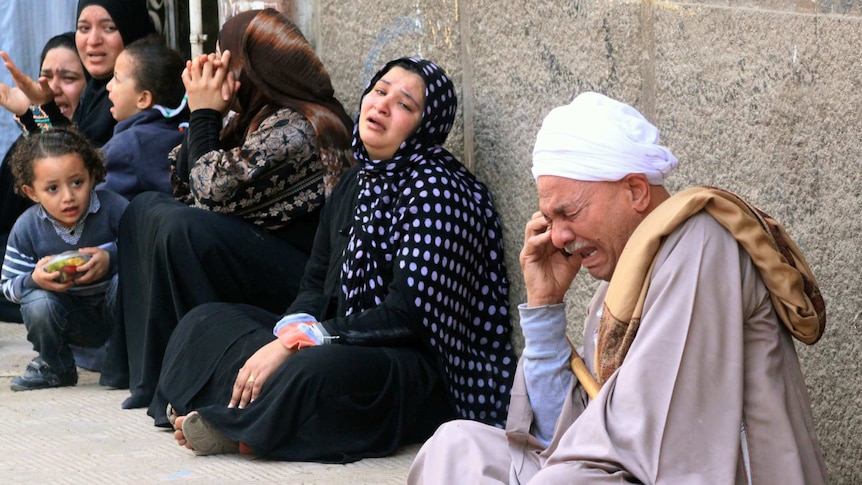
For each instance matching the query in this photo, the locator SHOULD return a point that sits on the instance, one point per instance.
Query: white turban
(596, 138)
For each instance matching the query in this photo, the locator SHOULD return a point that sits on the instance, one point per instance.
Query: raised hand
(37, 92)
(548, 271)
(209, 83)
(13, 99)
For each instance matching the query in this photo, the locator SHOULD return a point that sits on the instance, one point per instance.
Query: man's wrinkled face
(592, 220)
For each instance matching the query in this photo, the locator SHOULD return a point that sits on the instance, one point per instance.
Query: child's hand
(94, 269)
(50, 281)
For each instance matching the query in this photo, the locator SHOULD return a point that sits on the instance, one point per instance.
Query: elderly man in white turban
(689, 373)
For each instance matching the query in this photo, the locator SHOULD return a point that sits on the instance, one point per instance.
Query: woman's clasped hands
(210, 83)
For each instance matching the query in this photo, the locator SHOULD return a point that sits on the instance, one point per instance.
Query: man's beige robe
(710, 392)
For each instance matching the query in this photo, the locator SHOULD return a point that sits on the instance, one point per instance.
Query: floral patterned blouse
(276, 175)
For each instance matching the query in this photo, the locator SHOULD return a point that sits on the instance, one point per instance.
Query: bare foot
(178, 432)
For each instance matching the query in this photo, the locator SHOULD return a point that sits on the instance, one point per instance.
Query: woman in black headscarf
(402, 320)
(104, 28)
(249, 194)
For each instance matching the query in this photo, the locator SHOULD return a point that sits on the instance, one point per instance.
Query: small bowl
(67, 264)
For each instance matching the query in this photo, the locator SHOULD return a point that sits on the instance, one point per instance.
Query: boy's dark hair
(157, 69)
(55, 142)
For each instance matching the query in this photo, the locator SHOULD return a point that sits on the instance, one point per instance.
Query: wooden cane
(582, 373)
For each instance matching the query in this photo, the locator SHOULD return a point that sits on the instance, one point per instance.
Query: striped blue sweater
(36, 235)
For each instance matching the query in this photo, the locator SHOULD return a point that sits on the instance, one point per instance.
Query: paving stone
(80, 434)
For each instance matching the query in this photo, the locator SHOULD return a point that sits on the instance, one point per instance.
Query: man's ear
(639, 191)
(145, 100)
(30, 192)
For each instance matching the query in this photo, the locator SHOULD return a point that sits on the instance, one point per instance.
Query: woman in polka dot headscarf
(402, 320)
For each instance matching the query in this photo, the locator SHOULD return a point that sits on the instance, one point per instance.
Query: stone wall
(761, 98)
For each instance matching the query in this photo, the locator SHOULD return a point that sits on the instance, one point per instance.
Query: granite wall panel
(759, 97)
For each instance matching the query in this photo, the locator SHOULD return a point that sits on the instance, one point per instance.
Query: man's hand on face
(548, 270)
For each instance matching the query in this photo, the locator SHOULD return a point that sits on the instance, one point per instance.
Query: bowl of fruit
(67, 264)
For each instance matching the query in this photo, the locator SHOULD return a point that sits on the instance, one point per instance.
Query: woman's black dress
(183, 257)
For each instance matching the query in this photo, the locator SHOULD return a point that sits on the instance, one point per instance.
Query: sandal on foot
(172, 415)
(204, 438)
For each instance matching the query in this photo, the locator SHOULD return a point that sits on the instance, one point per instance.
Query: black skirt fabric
(12, 205)
(174, 258)
(332, 403)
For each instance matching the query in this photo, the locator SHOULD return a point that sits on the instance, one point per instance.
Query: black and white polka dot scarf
(426, 226)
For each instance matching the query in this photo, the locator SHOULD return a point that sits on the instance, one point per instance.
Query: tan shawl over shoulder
(782, 267)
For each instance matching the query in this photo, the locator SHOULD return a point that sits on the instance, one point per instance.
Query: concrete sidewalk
(81, 435)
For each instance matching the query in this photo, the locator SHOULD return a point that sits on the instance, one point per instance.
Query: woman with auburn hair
(247, 197)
